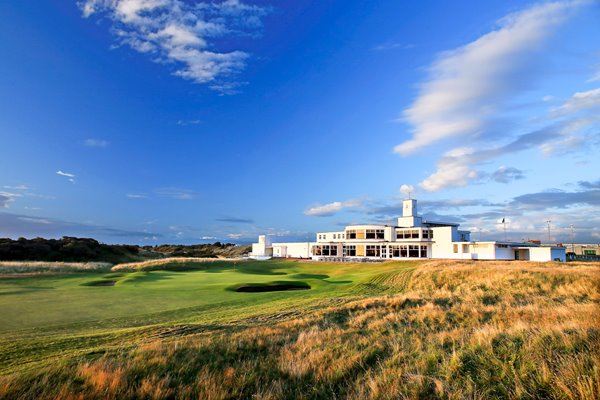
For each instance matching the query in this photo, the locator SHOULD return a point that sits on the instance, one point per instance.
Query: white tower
(409, 216)
(409, 208)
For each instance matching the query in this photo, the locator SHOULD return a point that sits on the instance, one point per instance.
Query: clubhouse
(411, 238)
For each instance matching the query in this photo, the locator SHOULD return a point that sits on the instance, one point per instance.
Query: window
(403, 251)
(316, 250)
(427, 234)
(465, 248)
(423, 251)
(413, 251)
(349, 251)
(589, 252)
(415, 234)
(503, 246)
(370, 234)
(351, 234)
(360, 234)
(373, 251)
(333, 251)
(455, 248)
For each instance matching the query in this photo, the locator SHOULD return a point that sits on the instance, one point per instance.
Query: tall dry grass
(455, 331)
(44, 267)
(169, 263)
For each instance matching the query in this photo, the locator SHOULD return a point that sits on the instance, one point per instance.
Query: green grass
(388, 330)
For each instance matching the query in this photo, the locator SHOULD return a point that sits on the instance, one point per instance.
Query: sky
(177, 121)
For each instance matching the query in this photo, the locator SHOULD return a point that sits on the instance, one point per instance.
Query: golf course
(272, 329)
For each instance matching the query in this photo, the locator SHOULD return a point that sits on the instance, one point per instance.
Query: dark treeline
(85, 249)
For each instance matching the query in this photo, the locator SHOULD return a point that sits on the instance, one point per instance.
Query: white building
(411, 238)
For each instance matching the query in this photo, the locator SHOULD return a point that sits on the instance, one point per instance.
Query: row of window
(365, 234)
(325, 250)
(379, 234)
(414, 234)
(394, 251)
(335, 236)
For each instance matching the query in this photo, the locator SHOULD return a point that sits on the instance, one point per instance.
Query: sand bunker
(272, 287)
(101, 283)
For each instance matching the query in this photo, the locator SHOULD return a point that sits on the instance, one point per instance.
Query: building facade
(411, 238)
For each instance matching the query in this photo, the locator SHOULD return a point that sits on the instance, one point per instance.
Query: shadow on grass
(310, 276)
(275, 286)
(147, 277)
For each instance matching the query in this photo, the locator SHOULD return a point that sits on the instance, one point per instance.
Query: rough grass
(172, 263)
(8, 268)
(448, 330)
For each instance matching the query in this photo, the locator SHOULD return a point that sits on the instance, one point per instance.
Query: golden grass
(170, 262)
(454, 330)
(40, 267)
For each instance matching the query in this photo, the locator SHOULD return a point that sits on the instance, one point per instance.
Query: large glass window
(423, 251)
(414, 234)
(413, 251)
(373, 251)
(351, 234)
(349, 251)
(404, 251)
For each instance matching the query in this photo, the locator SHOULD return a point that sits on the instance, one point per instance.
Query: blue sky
(171, 121)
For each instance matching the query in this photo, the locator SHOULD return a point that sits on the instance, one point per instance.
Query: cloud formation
(182, 33)
(70, 177)
(468, 86)
(326, 210)
(16, 225)
(177, 193)
(507, 174)
(96, 143)
(235, 220)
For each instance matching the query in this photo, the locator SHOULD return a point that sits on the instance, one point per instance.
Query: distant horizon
(174, 122)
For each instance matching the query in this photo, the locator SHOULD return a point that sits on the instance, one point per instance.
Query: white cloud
(407, 189)
(468, 86)
(329, 209)
(66, 174)
(177, 193)
(19, 187)
(452, 170)
(96, 143)
(580, 101)
(181, 33)
(393, 46)
(6, 198)
(137, 195)
(70, 177)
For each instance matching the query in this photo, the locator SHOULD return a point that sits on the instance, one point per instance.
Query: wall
(559, 253)
(505, 253)
(294, 250)
(483, 251)
(442, 248)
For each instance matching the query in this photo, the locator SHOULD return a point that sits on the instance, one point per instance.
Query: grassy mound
(448, 330)
(276, 286)
(175, 264)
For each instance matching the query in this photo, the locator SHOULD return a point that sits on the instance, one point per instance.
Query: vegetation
(431, 329)
(208, 250)
(84, 250)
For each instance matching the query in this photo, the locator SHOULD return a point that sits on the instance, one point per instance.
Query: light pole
(572, 239)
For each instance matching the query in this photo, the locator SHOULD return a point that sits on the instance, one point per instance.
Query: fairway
(437, 329)
(78, 301)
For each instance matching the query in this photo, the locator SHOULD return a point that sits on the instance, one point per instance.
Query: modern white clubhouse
(411, 238)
